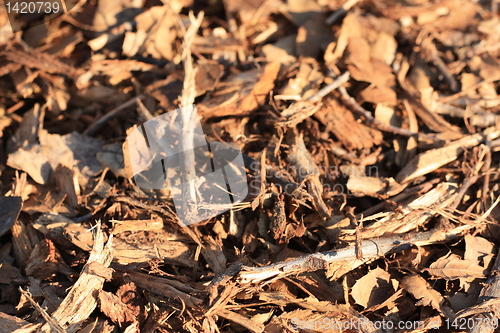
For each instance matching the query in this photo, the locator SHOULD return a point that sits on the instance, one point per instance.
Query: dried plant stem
(54, 325)
(354, 106)
(189, 115)
(339, 81)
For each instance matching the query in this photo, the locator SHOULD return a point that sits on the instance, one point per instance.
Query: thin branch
(54, 325)
(431, 54)
(303, 109)
(372, 249)
(355, 107)
(338, 82)
(101, 121)
(468, 89)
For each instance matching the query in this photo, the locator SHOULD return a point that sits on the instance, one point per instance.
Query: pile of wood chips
(369, 130)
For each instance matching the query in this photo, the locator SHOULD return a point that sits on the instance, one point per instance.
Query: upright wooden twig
(189, 115)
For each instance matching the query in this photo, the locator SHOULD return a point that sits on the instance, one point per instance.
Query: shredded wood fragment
(81, 299)
(432, 159)
(412, 216)
(11, 323)
(306, 170)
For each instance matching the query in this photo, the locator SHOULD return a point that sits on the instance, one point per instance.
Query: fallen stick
(358, 109)
(421, 189)
(300, 110)
(430, 54)
(371, 248)
(54, 325)
(338, 82)
(432, 159)
(101, 121)
(465, 91)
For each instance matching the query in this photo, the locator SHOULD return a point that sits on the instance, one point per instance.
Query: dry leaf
(426, 295)
(373, 288)
(40, 160)
(453, 267)
(478, 249)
